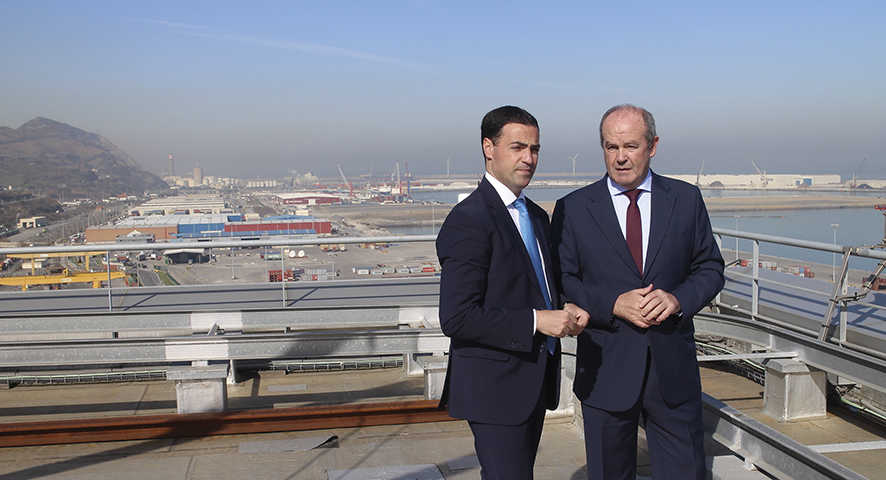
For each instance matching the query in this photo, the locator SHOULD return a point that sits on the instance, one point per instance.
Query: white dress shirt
(644, 201)
(508, 198)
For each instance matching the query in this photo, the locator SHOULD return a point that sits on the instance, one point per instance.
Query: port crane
(764, 180)
(25, 281)
(346, 182)
(699, 174)
(853, 182)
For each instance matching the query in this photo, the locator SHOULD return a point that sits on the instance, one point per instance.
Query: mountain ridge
(57, 159)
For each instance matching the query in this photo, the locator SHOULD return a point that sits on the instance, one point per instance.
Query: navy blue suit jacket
(596, 267)
(487, 292)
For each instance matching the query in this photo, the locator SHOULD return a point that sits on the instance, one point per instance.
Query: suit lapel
(603, 212)
(509, 234)
(500, 216)
(662, 208)
(541, 232)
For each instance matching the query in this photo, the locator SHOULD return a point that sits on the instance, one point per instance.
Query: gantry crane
(25, 281)
(345, 179)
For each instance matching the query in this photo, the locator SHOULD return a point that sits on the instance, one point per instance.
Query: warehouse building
(190, 227)
(308, 198)
(181, 205)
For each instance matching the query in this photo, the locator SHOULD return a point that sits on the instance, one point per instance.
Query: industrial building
(32, 222)
(181, 205)
(763, 180)
(309, 198)
(188, 227)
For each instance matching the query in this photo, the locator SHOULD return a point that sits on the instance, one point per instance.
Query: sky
(260, 89)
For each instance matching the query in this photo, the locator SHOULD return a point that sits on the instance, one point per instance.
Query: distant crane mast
(345, 180)
(399, 183)
(699, 174)
(763, 178)
(853, 183)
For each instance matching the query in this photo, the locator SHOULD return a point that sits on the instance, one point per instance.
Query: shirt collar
(616, 189)
(505, 193)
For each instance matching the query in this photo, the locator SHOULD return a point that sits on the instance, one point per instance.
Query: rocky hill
(57, 160)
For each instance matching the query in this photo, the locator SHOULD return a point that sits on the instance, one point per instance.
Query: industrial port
(307, 321)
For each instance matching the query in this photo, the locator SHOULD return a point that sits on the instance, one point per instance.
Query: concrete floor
(356, 453)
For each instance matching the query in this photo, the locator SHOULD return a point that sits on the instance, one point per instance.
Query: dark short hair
(647, 119)
(496, 119)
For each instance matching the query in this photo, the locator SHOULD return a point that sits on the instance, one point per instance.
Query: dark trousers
(675, 436)
(507, 452)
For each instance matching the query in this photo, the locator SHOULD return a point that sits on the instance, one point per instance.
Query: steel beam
(767, 448)
(202, 322)
(141, 427)
(223, 347)
(745, 356)
(858, 367)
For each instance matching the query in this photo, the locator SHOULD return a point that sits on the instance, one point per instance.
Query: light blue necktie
(529, 241)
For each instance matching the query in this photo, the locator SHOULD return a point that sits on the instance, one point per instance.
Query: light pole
(231, 253)
(736, 238)
(834, 226)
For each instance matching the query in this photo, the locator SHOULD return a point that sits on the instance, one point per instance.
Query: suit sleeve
(705, 276)
(464, 247)
(566, 249)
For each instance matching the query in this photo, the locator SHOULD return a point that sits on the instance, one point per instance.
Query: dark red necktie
(634, 229)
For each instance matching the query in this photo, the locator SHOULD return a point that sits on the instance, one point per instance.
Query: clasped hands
(645, 307)
(560, 323)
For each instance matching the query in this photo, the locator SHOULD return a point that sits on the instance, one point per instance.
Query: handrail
(275, 242)
(838, 297)
(796, 242)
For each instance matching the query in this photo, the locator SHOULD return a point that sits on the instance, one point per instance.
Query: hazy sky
(259, 88)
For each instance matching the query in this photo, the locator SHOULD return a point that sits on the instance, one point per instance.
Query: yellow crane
(25, 281)
(32, 256)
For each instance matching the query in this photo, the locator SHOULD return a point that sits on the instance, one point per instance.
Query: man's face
(512, 158)
(625, 149)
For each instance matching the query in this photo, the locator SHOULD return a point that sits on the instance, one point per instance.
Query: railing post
(108, 267)
(839, 286)
(755, 282)
(844, 310)
(283, 276)
(719, 239)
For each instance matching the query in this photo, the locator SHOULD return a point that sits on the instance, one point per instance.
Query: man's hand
(629, 306)
(658, 305)
(555, 323)
(645, 307)
(581, 317)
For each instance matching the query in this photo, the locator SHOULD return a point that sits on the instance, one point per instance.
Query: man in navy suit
(496, 293)
(636, 251)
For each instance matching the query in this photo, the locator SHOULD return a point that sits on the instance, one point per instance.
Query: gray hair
(647, 119)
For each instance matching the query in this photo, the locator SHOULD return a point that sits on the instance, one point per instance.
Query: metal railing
(838, 297)
(281, 243)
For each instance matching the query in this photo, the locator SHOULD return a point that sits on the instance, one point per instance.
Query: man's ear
(653, 147)
(488, 148)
